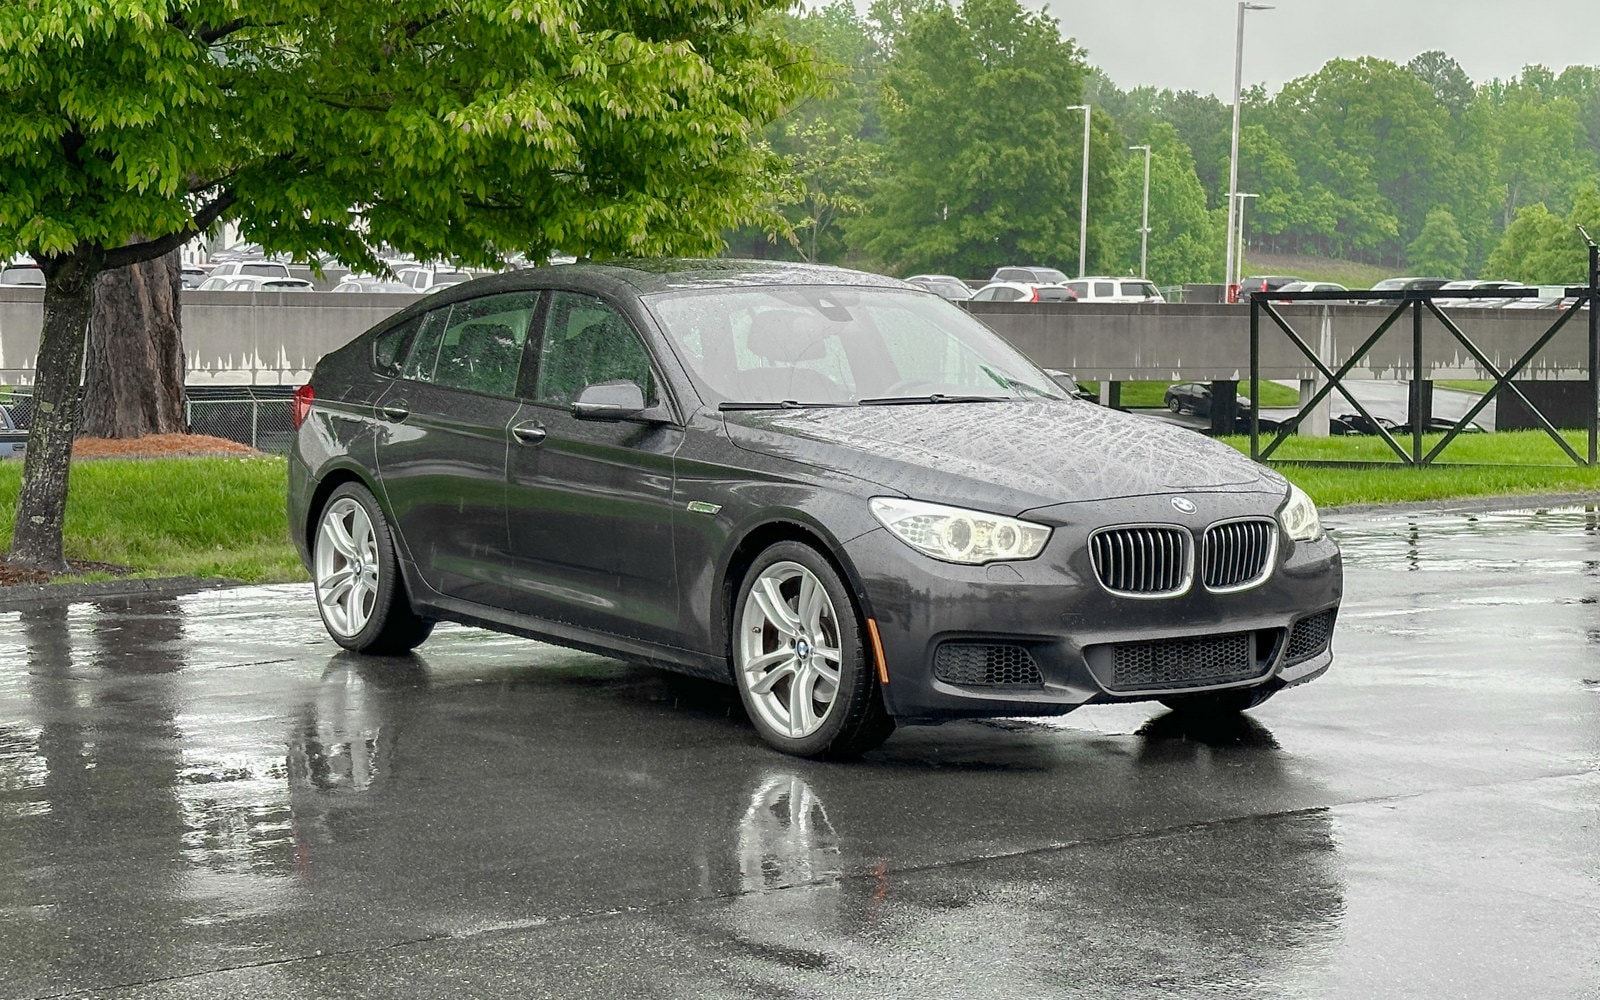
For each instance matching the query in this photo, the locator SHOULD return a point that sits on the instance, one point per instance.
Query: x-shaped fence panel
(1420, 303)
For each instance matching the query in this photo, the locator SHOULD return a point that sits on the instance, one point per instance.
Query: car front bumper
(1054, 608)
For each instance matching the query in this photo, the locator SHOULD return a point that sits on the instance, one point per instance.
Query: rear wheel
(360, 595)
(1174, 405)
(799, 658)
(1219, 703)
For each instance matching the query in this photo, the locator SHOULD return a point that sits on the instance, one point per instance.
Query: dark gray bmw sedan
(834, 490)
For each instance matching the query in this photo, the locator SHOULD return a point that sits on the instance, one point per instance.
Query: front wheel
(360, 595)
(799, 658)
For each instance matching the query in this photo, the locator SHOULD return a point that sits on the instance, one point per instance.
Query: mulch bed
(14, 576)
(160, 446)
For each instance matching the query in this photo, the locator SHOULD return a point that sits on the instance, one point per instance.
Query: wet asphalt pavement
(200, 797)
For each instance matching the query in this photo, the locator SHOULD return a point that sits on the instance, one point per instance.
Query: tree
(1439, 248)
(1451, 85)
(1186, 244)
(1542, 248)
(133, 372)
(983, 158)
(469, 129)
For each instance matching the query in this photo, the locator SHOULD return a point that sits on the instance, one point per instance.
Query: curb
(35, 594)
(1468, 505)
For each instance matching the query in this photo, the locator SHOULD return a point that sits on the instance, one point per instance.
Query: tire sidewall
(853, 668)
(388, 568)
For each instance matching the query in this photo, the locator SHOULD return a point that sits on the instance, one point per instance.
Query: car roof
(645, 277)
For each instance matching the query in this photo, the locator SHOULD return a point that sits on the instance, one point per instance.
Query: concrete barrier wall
(1203, 342)
(276, 338)
(230, 338)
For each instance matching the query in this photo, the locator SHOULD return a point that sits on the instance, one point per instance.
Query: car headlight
(955, 535)
(1299, 517)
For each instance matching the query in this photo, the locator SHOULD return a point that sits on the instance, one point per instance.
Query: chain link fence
(254, 415)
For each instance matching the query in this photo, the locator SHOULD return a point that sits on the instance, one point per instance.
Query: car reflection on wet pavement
(200, 795)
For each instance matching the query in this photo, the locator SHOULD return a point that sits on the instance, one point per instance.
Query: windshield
(833, 345)
(1048, 274)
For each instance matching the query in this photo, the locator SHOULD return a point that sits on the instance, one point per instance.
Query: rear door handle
(394, 412)
(529, 433)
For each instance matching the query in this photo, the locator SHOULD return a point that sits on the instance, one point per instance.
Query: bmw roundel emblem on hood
(1184, 504)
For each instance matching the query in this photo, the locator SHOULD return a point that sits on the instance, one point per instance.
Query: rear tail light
(300, 405)
(1033, 295)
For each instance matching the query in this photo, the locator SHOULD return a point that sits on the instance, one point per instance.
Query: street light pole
(1230, 278)
(1239, 257)
(1144, 227)
(1083, 202)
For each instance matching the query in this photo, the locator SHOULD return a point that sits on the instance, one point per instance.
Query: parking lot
(200, 796)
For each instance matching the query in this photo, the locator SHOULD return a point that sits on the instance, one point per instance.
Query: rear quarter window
(389, 348)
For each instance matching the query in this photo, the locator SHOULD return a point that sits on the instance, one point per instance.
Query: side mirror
(616, 400)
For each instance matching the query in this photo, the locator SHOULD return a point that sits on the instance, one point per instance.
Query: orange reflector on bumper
(877, 650)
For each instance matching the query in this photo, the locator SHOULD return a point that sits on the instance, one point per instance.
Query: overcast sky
(1188, 44)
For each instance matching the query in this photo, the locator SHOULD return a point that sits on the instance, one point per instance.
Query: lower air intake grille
(1310, 636)
(1165, 663)
(983, 665)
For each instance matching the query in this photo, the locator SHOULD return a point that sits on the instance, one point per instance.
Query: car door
(589, 502)
(444, 429)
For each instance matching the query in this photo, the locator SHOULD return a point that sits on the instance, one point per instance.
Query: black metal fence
(254, 415)
(1584, 301)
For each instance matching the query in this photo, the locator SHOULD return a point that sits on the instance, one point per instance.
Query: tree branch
(135, 253)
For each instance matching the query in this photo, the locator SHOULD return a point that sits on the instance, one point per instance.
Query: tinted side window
(481, 349)
(1104, 289)
(587, 341)
(389, 347)
(1007, 295)
(1080, 288)
(426, 351)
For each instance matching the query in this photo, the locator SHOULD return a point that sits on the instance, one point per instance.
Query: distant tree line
(945, 143)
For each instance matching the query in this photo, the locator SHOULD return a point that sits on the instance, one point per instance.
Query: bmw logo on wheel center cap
(1184, 504)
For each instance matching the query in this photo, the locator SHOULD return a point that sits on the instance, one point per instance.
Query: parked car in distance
(1019, 291)
(432, 279)
(943, 285)
(1114, 290)
(13, 439)
(351, 283)
(1264, 283)
(263, 268)
(1488, 302)
(194, 275)
(1310, 286)
(845, 497)
(254, 283)
(1409, 284)
(1195, 397)
(22, 274)
(1029, 275)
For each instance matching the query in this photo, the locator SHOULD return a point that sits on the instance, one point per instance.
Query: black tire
(392, 627)
(1174, 405)
(1220, 703)
(857, 720)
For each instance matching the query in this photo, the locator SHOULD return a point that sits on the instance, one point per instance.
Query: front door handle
(396, 412)
(529, 433)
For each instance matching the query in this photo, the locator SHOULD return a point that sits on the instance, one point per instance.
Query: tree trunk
(133, 380)
(42, 504)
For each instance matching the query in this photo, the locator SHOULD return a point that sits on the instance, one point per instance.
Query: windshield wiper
(937, 397)
(782, 404)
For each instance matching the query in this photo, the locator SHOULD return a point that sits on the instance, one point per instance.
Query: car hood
(1002, 457)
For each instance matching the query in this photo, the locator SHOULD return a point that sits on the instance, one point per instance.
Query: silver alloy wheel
(346, 567)
(788, 650)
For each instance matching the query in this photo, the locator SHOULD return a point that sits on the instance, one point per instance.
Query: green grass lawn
(1528, 462)
(1152, 395)
(1349, 273)
(1479, 386)
(174, 516)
